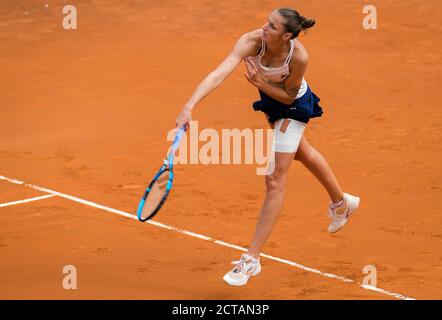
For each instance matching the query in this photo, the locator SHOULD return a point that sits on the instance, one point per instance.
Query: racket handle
(177, 140)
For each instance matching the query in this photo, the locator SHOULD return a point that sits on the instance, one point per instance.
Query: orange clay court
(85, 114)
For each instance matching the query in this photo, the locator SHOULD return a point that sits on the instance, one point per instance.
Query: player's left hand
(252, 74)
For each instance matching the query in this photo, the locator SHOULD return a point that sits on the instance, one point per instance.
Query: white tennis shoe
(341, 214)
(243, 270)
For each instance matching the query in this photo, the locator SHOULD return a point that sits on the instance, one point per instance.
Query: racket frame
(167, 166)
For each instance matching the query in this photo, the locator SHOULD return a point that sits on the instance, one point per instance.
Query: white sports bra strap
(292, 47)
(263, 49)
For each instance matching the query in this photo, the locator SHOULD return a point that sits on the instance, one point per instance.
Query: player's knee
(275, 181)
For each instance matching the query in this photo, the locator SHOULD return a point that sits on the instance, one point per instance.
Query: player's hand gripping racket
(157, 191)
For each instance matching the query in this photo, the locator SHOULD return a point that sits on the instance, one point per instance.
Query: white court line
(203, 237)
(7, 204)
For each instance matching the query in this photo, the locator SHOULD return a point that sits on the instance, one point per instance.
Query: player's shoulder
(252, 39)
(300, 54)
(254, 35)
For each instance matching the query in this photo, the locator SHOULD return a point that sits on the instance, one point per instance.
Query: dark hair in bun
(294, 22)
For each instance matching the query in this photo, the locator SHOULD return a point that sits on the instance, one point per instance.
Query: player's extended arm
(245, 46)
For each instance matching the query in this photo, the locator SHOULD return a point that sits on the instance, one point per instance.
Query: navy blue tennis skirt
(302, 109)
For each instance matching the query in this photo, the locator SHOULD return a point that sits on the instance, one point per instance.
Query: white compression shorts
(287, 135)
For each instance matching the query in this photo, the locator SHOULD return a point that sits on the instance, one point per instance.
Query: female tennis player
(276, 62)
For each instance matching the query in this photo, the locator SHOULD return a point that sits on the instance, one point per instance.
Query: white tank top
(278, 75)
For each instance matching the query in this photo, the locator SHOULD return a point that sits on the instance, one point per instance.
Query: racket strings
(156, 195)
(162, 180)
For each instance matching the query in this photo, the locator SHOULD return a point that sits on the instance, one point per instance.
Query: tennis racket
(158, 190)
